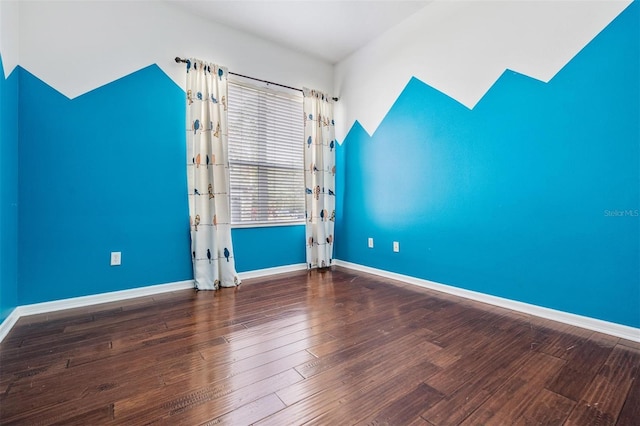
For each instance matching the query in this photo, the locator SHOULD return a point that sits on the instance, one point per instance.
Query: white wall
(78, 46)
(458, 47)
(9, 17)
(461, 48)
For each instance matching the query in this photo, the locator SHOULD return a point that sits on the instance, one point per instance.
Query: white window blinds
(266, 142)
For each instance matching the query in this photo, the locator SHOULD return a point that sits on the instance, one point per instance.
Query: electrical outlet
(116, 258)
(370, 243)
(396, 246)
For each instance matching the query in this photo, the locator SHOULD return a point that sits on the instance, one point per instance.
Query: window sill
(266, 225)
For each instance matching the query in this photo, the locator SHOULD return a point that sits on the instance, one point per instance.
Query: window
(266, 156)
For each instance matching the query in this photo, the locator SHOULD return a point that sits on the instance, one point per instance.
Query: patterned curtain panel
(208, 176)
(319, 178)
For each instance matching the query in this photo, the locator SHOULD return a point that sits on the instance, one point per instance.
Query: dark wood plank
(320, 393)
(512, 399)
(630, 413)
(94, 416)
(603, 400)
(478, 389)
(214, 385)
(366, 397)
(420, 422)
(546, 408)
(406, 408)
(582, 366)
(565, 342)
(250, 413)
(213, 403)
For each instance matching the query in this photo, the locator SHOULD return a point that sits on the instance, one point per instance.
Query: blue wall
(102, 172)
(285, 246)
(515, 197)
(8, 192)
(106, 172)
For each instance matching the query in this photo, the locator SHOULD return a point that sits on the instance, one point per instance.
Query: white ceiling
(326, 29)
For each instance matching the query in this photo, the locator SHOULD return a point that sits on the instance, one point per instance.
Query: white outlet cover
(116, 258)
(370, 242)
(396, 246)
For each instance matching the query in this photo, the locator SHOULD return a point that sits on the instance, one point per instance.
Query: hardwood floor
(326, 348)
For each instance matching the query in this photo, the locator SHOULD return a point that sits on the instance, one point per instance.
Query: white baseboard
(114, 296)
(618, 330)
(8, 323)
(94, 299)
(272, 271)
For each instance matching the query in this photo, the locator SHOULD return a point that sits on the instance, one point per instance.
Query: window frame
(294, 95)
